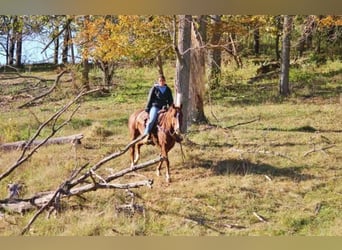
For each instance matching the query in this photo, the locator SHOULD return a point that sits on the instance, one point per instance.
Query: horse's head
(177, 118)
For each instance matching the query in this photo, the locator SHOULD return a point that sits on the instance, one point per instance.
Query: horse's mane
(165, 119)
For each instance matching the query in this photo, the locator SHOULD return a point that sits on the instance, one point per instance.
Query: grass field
(280, 173)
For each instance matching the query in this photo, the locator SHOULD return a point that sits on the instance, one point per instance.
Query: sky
(32, 51)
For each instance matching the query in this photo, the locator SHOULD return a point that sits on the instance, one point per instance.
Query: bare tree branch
(322, 149)
(59, 140)
(46, 93)
(24, 157)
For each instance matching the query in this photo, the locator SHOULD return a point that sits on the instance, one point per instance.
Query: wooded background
(198, 43)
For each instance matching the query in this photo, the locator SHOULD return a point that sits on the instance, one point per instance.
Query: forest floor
(264, 165)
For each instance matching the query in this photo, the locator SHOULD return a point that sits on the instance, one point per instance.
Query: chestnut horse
(164, 134)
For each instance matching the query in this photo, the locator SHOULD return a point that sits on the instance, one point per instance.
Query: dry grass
(228, 178)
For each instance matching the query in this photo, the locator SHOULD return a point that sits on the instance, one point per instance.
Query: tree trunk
(215, 55)
(66, 43)
(278, 35)
(85, 74)
(233, 51)
(85, 61)
(256, 36)
(306, 36)
(285, 62)
(56, 48)
(12, 41)
(198, 72)
(160, 64)
(183, 67)
(108, 72)
(19, 47)
(71, 45)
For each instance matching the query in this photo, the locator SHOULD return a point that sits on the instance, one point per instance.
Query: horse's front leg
(167, 174)
(166, 160)
(168, 178)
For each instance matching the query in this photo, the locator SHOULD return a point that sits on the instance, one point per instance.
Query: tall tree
(56, 43)
(12, 40)
(215, 53)
(66, 41)
(198, 70)
(19, 46)
(306, 34)
(256, 36)
(285, 59)
(85, 60)
(182, 48)
(278, 36)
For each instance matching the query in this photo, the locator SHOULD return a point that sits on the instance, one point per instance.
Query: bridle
(172, 131)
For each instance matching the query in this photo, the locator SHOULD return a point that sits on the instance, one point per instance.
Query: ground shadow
(304, 129)
(245, 167)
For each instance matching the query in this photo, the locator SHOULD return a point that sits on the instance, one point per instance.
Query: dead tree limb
(214, 126)
(67, 188)
(27, 153)
(59, 140)
(260, 218)
(105, 160)
(242, 123)
(322, 149)
(46, 93)
(52, 200)
(264, 152)
(16, 75)
(64, 191)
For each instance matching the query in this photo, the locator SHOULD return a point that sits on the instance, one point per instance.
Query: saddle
(143, 116)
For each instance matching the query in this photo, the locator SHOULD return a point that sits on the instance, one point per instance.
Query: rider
(160, 97)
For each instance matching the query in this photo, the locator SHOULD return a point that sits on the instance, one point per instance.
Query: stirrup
(146, 139)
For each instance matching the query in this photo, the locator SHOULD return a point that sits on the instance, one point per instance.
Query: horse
(165, 134)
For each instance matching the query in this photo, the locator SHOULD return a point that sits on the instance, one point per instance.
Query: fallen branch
(234, 226)
(59, 140)
(242, 123)
(105, 160)
(17, 75)
(46, 93)
(261, 152)
(52, 198)
(322, 149)
(231, 126)
(132, 207)
(27, 153)
(260, 218)
(67, 189)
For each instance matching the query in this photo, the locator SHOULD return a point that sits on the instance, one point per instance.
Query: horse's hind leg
(137, 155)
(132, 155)
(159, 167)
